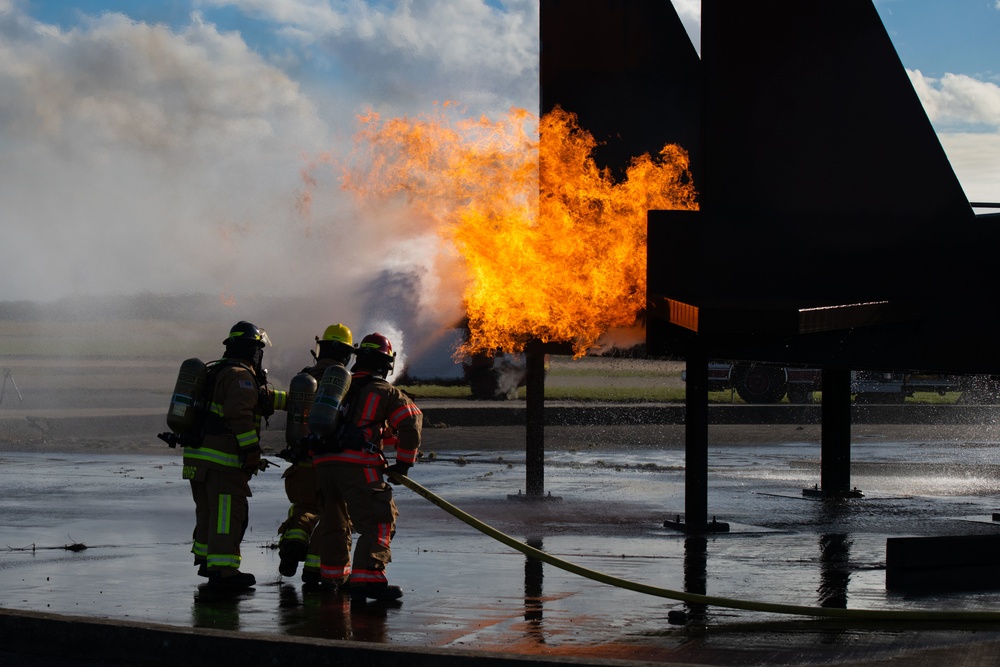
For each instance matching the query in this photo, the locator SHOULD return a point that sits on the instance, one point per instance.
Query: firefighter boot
(313, 581)
(230, 579)
(380, 592)
(291, 553)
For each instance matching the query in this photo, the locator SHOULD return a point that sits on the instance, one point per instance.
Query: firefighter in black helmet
(219, 467)
(307, 526)
(376, 415)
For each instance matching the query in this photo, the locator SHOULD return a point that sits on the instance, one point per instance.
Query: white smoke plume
(142, 157)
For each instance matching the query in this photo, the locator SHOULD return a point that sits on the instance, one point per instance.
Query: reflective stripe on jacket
(235, 402)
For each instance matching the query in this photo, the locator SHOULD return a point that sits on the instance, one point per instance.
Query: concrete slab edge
(39, 635)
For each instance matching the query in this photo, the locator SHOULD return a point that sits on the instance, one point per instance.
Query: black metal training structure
(822, 185)
(598, 60)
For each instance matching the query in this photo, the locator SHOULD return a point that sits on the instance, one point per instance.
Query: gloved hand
(265, 401)
(251, 461)
(400, 469)
(290, 454)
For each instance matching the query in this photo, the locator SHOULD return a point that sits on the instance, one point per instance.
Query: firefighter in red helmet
(227, 454)
(351, 471)
(307, 526)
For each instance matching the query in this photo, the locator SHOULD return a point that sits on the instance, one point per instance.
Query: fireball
(553, 248)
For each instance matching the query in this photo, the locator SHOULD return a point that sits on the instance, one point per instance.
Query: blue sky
(958, 36)
(139, 136)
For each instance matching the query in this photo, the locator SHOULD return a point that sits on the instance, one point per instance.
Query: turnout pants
(221, 516)
(302, 490)
(372, 514)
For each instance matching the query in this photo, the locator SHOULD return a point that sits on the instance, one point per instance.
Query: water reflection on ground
(133, 514)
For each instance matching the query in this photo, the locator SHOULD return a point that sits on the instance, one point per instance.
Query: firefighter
(376, 414)
(227, 455)
(300, 534)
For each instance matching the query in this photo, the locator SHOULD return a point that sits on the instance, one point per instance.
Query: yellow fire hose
(694, 598)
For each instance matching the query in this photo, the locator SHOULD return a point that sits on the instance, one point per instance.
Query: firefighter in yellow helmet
(375, 415)
(220, 465)
(303, 532)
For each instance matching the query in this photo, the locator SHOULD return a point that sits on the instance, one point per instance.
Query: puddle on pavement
(134, 514)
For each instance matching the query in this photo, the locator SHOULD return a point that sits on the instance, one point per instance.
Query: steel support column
(696, 443)
(535, 420)
(835, 466)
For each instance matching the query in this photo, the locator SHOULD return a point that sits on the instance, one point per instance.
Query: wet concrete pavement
(465, 591)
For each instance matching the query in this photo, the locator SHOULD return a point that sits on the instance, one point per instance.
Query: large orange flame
(555, 249)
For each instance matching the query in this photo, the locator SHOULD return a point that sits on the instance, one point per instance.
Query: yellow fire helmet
(335, 344)
(338, 333)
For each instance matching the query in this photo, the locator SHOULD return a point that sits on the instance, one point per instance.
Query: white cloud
(404, 55)
(136, 158)
(689, 12)
(115, 81)
(957, 99)
(966, 113)
(975, 157)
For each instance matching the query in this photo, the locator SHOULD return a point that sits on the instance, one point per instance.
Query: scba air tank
(325, 413)
(188, 397)
(301, 395)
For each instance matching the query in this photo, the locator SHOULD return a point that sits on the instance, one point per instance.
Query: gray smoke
(145, 159)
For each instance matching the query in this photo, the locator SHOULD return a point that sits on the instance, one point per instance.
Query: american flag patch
(246, 384)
